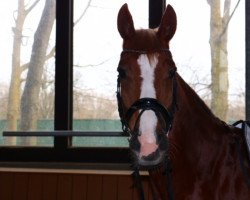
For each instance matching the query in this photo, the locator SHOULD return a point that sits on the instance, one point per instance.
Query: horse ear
(168, 24)
(125, 23)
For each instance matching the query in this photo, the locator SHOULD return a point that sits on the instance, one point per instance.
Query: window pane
(192, 53)
(27, 70)
(97, 47)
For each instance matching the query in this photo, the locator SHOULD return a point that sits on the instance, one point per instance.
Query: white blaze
(148, 119)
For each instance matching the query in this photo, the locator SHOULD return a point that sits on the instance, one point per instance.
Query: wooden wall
(67, 186)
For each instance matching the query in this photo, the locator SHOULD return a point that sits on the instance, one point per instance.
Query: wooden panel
(20, 186)
(136, 195)
(64, 188)
(125, 188)
(94, 188)
(49, 187)
(6, 185)
(79, 191)
(150, 190)
(147, 187)
(35, 187)
(109, 187)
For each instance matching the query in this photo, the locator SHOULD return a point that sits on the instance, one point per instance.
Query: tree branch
(83, 13)
(209, 2)
(15, 17)
(31, 7)
(22, 80)
(226, 13)
(48, 56)
(229, 19)
(91, 65)
(24, 67)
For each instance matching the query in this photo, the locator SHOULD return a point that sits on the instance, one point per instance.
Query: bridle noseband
(164, 115)
(144, 104)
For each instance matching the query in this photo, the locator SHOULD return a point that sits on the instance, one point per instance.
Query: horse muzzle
(154, 158)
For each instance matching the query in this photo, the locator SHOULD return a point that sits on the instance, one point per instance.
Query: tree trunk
(219, 57)
(30, 96)
(15, 82)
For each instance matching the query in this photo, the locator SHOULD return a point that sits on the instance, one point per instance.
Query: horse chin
(153, 159)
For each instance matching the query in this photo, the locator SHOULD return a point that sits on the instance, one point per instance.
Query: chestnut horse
(169, 123)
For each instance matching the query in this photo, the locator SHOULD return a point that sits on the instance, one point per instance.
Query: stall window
(60, 103)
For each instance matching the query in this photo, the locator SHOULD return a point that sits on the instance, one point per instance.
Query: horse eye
(122, 73)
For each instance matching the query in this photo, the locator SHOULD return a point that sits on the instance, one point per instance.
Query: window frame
(63, 151)
(247, 54)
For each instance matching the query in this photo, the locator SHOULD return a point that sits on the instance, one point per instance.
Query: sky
(97, 42)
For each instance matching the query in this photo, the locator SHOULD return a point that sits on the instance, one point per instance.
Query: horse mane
(196, 100)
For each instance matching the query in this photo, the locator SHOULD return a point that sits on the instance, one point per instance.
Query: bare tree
(219, 23)
(90, 105)
(4, 90)
(30, 96)
(36, 96)
(46, 95)
(15, 83)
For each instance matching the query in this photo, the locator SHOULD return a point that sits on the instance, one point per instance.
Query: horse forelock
(144, 40)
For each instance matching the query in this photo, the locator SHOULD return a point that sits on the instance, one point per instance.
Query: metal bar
(247, 33)
(62, 134)
(64, 71)
(156, 10)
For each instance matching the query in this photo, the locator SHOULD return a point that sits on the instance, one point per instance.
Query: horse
(169, 123)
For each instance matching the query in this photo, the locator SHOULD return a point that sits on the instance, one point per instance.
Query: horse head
(146, 86)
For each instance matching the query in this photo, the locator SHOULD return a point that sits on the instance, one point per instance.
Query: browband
(144, 51)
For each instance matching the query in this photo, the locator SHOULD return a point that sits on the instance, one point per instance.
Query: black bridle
(164, 115)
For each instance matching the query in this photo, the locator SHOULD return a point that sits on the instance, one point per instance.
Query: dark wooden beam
(247, 22)
(156, 10)
(48, 154)
(64, 71)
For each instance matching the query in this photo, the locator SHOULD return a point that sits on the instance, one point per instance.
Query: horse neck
(193, 106)
(195, 126)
